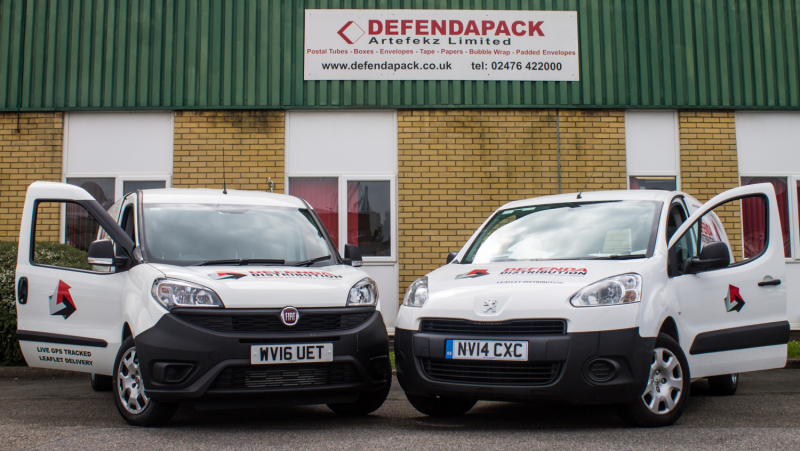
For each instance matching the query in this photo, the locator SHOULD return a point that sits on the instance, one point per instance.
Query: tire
(666, 391)
(724, 385)
(132, 402)
(367, 402)
(440, 406)
(101, 382)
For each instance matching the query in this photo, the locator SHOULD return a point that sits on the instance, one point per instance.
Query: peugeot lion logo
(490, 306)
(290, 316)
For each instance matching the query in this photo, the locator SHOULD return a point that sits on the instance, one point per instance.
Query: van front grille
(491, 372)
(285, 376)
(512, 327)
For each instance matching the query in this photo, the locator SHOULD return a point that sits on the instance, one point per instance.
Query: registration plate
(486, 350)
(287, 353)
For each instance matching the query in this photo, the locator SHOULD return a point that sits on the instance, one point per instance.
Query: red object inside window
(323, 195)
(754, 216)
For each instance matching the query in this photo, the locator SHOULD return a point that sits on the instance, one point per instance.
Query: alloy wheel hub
(129, 383)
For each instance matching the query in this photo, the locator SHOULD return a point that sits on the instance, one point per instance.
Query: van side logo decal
(61, 302)
(473, 274)
(222, 275)
(734, 300)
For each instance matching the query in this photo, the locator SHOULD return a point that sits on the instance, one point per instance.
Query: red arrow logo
(61, 302)
(734, 300)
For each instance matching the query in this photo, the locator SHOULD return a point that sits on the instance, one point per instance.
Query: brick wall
(34, 153)
(457, 166)
(709, 164)
(253, 142)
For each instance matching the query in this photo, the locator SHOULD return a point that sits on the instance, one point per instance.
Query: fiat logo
(289, 316)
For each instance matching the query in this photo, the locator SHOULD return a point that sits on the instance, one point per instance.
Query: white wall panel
(118, 143)
(651, 142)
(768, 142)
(341, 142)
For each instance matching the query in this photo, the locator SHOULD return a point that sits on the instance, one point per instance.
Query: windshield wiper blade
(312, 261)
(620, 257)
(242, 262)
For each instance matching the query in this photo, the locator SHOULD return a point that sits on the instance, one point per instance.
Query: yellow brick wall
(34, 153)
(709, 164)
(457, 166)
(253, 142)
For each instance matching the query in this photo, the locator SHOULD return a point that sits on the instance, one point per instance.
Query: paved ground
(64, 413)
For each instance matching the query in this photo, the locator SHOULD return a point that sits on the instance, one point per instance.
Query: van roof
(215, 196)
(594, 196)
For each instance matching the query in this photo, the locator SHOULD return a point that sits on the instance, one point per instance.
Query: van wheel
(366, 403)
(440, 406)
(666, 390)
(101, 382)
(724, 385)
(132, 401)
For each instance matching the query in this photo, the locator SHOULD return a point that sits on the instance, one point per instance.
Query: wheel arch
(126, 332)
(670, 327)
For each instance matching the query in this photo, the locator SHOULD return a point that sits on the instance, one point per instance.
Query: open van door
(726, 267)
(69, 295)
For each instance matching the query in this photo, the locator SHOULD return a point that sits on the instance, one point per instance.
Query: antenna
(587, 182)
(224, 187)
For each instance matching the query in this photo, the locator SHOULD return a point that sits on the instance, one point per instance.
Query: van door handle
(769, 282)
(22, 290)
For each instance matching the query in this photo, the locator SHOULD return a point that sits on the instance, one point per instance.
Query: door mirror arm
(101, 253)
(352, 255)
(714, 255)
(452, 256)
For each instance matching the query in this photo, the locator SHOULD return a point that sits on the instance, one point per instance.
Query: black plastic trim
(44, 337)
(745, 337)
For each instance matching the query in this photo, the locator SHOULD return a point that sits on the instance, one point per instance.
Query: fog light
(602, 370)
(399, 361)
(380, 364)
(171, 373)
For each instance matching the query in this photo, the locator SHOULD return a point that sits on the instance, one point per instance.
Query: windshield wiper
(242, 262)
(620, 257)
(312, 261)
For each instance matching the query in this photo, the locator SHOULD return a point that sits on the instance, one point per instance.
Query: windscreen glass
(188, 234)
(590, 230)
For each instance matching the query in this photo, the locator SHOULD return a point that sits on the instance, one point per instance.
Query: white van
(618, 297)
(226, 300)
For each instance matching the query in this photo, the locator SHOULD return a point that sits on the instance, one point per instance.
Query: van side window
(675, 219)
(62, 234)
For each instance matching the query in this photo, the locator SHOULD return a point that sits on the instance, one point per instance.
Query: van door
(731, 300)
(68, 311)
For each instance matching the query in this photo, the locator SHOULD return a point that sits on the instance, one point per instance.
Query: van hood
(543, 286)
(254, 286)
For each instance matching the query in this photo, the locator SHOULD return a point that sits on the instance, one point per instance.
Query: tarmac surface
(56, 411)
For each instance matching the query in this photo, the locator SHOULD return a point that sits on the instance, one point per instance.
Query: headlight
(417, 293)
(365, 292)
(617, 290)
(177, 293)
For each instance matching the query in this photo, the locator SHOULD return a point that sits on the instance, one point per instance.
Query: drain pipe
(558, 148)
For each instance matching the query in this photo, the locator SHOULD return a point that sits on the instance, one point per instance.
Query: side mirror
(101, 253)
(715, 255)
(352, 255)
(451, 256)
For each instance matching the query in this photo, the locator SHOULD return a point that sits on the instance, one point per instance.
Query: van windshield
(568, 231)
(191, 234)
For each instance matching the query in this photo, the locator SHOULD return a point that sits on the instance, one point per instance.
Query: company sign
(387, 44)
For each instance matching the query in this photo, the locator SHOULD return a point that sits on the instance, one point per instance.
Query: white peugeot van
(226, 300)
(618, 297)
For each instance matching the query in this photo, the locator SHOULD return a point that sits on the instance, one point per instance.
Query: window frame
(677, 178)
(791, 185)
(342, 180)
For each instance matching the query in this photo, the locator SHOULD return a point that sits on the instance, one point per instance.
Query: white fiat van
(226, 300)
(618, 297)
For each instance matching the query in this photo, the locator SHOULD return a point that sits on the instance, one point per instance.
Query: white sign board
(395, 44)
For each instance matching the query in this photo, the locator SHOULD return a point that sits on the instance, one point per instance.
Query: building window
(751, 210)
(366, 204)
(129, 186)
(653, 182)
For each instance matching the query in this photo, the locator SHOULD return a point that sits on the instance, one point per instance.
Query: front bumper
(423, 370)
(219, 373)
